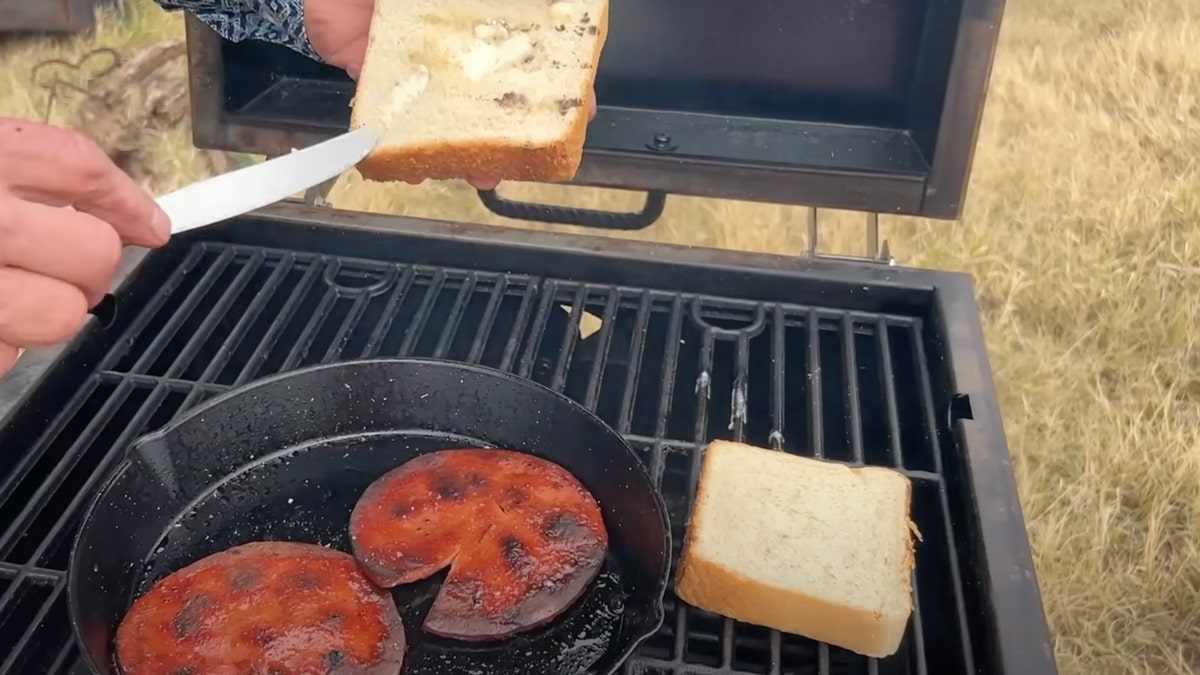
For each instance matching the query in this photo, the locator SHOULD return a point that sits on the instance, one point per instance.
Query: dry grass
(1083, 233)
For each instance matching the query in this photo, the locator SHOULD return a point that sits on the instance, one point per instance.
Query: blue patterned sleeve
(277, 21)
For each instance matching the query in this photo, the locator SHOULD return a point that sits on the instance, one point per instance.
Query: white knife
(253, 187)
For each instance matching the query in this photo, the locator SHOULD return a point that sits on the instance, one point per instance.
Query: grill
(670, 367)
(850, 360)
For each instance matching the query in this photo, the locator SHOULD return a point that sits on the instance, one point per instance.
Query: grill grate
(670, 371)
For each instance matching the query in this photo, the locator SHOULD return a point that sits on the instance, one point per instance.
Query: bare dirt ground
(1082, 232)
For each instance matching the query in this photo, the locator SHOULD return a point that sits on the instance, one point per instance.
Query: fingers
(37, 311)
(60, 243)
(356, 53)
(484, 183)
(8, 357)
(59, 166)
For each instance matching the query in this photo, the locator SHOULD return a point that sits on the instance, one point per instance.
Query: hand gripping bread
(803, 546)
(479, 88)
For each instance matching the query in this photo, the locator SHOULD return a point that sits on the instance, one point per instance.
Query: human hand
(338, 32)
(65, 212)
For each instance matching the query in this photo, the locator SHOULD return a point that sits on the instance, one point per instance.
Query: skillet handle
(651, 211)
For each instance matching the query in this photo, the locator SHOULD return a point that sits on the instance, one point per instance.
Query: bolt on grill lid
(870, 105)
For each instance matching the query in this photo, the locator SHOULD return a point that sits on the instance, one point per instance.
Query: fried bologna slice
(265, 607)
(523, 538)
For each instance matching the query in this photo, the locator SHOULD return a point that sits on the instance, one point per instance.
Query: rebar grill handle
(651, 211)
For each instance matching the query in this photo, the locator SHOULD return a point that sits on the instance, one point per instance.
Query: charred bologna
(522, 537)
(273, 608)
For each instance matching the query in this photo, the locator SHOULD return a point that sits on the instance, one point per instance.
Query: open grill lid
(869, 105)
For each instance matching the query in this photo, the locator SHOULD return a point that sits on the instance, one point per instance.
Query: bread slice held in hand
(479, 88)
(803, 546)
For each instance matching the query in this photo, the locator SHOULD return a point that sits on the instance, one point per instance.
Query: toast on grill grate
(803, 546)
(479, 89)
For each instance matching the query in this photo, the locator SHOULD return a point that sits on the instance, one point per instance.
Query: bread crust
(708, 585)
(554, 162)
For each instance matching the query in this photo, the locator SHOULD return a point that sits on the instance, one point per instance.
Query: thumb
(353, 56)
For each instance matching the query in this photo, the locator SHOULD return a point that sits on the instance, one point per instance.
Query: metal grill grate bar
(66, 654)
(816, 427)
(33, 575)
(359, 307)
(570, 336)
(137, 327)
(536, 334)
(73, 509)
(184, 311)
(225, 352)
(422, 318)
(685, 637)
(35, 608)
(299, 350)
(256, 359)
(816, 430)
(399, 291)
(778, 393)
(7, 666)
(670, 368)
(113, 377)
(54, 479)
(737, 423)
(20, 473)
(633, 373)
(488, 323)
(853, 398)
(956, 583)
(853, 395)
(595, 376)
(455, 317)
(889, 391)
(218, 312)
(514, 339)
(884, 351)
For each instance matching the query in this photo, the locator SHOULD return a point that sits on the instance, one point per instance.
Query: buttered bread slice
(479, 88)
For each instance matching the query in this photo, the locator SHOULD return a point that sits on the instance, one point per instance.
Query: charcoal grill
(862, 105)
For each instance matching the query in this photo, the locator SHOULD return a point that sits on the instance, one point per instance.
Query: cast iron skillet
(286, 458)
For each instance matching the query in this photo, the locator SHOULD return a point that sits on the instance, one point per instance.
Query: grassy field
(1082, 231)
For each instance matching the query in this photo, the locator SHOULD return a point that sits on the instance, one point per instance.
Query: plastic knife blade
(253, 187)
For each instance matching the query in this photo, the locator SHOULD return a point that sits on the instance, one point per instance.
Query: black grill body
(856, 362)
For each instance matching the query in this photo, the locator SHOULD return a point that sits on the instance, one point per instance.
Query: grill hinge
(318, 195)
(877, 251)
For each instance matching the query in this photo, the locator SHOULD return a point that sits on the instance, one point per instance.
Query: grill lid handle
(651, 210)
